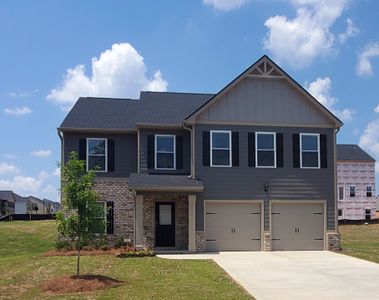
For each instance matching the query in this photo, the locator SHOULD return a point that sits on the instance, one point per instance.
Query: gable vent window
(368, 191)
(265, 150)
(97, 154)
(165, 152)
(310, 150)
(221, 154)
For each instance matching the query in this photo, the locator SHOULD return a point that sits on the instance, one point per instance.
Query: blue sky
(54, 51)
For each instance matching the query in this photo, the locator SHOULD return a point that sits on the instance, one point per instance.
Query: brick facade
(200, 241)
(116, 190)
(181, 218)
(333, 239)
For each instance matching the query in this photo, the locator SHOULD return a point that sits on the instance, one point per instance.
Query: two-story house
(249, 168)
(356, 184)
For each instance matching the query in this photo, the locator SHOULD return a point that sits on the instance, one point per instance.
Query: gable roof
(265, 68)
(7, 196)
(126, 114)
(353, 153)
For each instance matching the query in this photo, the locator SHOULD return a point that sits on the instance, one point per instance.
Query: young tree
(80, 202)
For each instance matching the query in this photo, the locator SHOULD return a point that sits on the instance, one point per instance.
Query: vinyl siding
(125, 151)
(247, 183)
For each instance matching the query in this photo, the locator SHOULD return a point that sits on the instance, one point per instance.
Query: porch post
(191, 223)
(139, 221)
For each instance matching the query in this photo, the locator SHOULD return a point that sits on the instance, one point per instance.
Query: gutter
(191, 130)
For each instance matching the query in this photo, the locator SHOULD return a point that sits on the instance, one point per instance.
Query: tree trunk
(78, 260)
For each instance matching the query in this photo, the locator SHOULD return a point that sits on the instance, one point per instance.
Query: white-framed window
(97, 153)
(221, 148)
(341, 193)
(369, 191)
(265, 149)
(352, 191)
(165, 152)
(309, 150)
(100, 221)
(340, 212)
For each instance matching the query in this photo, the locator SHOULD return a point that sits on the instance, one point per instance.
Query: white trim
(106, 155)
(256, 150)
(301, 150)
(355, 191)
(229, 149)
(155, 151)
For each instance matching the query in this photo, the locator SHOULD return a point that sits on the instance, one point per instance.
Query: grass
(360, 241)
(24, 269)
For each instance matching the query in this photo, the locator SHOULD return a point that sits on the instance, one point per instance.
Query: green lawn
(361, 241)
(23, 269)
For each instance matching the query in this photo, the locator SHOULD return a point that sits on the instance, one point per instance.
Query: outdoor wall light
(266, 188)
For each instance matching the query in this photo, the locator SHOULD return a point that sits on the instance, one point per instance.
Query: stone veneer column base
(200, 241)
(267, 241)
(333, 239)
(116, 190)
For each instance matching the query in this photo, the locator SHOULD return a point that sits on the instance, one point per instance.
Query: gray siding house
(249, 168)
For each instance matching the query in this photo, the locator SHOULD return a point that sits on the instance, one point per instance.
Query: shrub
(62, 244)
(136, 253)
(119, 242)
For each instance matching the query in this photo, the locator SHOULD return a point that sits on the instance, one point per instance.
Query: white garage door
(297, 226)
(232, 226)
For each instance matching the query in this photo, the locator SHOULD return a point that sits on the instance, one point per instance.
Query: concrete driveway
(297, 275)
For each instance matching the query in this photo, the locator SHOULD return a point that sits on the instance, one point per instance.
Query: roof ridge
(181, 93)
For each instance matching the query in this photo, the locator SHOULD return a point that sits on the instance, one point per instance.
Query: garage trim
(261, 202)
(323, 202)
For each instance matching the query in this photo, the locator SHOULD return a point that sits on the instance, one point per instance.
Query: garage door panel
(233, 226)
(297, 226)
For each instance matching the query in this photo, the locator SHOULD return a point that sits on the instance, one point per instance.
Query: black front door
(165, 224)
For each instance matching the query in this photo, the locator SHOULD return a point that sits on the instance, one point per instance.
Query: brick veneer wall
(200, 241)
(181, 218)
(116, 190)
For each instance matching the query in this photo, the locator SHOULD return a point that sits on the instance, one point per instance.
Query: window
(368, 191)
(97, 154)
(221, 154)
(352, 191)
(265, 155)
(340, 212)
(340, 193)
(310, 150)
(99, 224)
(165, 152)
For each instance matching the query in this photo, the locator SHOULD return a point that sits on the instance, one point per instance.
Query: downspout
(192, 174)
(60, 134)
(335, 180)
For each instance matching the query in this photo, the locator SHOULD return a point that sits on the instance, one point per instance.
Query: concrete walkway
(297, 275)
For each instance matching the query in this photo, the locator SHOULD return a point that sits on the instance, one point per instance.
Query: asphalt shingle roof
(7, 196)
(352, 152)
(124, 114)
(142, 181)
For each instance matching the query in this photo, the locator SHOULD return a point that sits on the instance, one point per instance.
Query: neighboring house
(356, 184)
(249, 168)
(50, 207)
(7, 203)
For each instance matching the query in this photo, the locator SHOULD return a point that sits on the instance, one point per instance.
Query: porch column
(139, 221)
(191, 223)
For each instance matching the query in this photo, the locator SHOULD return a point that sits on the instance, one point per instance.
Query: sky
(53, 52)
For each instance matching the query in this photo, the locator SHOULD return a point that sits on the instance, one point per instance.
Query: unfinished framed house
(355, 184)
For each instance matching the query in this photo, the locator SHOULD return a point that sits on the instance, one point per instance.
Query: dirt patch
(111, 251)
(77, 284)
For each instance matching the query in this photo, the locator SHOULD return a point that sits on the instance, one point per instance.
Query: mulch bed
(81, 283)
(111, 251)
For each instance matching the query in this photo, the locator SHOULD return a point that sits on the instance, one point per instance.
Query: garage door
(232, 226)
(297, 226)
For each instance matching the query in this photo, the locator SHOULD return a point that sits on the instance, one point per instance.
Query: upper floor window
(97, 154)
(369, 191)
(221, 153)
(265, 156)
(352, 191)
(310, 150)
(340, 193)
(165, 152)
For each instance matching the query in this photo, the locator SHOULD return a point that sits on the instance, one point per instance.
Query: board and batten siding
(247, 183)
(268, 101)
(144, 133)
(125, 152)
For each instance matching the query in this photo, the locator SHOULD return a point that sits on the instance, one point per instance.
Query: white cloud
(118, 72)
(300, 40)
(10, 156)
(41, 153)
(351, 30)
(22, 94)
(364, 66)
(320, 89)
(225, 5)
(18, 111)
(57, 172)
(6, 168)
(369, 140)
(376, 109)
